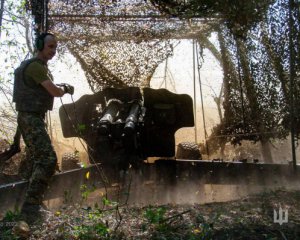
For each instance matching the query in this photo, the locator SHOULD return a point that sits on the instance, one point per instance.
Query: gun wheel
(69, 161)
(188, 150)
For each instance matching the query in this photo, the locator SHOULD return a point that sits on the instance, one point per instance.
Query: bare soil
(251, 217)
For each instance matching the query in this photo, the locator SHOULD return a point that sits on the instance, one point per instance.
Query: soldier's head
(46, 45)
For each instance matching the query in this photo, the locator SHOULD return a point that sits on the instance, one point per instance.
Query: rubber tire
(188, 150)
(69, 161)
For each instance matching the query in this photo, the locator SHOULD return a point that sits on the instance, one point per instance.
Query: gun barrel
(108, 117)
(132, 118)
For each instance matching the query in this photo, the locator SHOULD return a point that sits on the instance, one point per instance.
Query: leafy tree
(15, 46)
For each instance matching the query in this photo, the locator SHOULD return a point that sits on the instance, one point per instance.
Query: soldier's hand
(69, 89)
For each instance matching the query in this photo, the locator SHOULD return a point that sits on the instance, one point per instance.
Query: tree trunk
(227, 71)
(28, 36)
(1, 15)
(202, 39)
(215, 52)
(266, 150)
(277, 65)
(252, 99)
(222, 150)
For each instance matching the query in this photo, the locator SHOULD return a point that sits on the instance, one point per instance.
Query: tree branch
(1, 15)
(14, 21)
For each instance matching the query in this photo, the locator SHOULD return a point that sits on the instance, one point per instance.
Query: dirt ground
(251, 217)
(247, 217)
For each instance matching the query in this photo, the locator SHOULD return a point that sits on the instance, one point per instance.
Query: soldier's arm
(54, 90)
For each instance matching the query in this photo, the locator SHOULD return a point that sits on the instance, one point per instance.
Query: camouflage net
(117, 43)
(120, 43)
(120, 64)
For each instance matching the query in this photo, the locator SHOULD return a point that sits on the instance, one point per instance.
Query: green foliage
(14, 47)
(91, 231)
(86, 191)
(156, 220)
(109, 203)
(11, 216)
(76, 153)
(205, 229)
(6, 224)
(8, 235)
(91, 225)
(155, 215)
(160, 226)
(16, 23)
(81, 129)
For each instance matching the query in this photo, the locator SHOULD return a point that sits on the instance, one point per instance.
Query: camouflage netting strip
(120, 64)
(116, 42)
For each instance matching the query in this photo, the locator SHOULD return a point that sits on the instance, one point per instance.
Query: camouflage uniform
(32, 102)
(36, 138)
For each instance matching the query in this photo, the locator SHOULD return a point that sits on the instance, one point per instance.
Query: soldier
(34, 92)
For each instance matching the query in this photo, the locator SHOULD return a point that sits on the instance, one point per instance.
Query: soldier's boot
(34, 213)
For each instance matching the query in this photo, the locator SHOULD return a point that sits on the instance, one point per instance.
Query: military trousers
(41, 151)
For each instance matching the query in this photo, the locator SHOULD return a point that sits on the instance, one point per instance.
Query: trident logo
(282, 217)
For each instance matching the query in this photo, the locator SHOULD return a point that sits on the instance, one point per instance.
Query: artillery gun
(124, 127)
